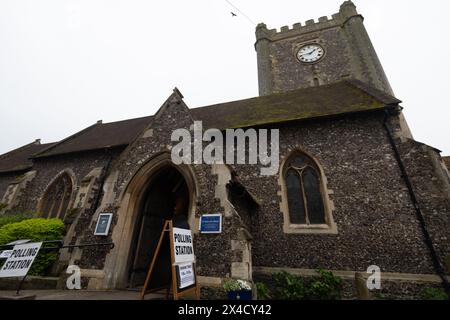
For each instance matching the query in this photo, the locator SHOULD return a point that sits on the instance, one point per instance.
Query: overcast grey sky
(64, 64)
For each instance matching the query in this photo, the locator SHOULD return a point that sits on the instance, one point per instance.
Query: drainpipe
(437, 265)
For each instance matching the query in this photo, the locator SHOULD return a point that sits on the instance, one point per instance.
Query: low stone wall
(30, 283)
(212, 293)
(394, 286)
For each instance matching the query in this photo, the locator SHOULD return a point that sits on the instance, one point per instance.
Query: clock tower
(318, 53)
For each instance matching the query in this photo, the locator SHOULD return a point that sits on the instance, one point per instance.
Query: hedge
(37, 230)
(13, 218)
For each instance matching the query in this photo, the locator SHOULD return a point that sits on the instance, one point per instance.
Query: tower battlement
(346, 12)
(345, 46)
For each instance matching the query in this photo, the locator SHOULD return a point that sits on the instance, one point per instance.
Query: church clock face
(310, 53)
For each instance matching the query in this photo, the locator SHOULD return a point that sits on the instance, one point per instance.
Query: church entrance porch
(159, 190)
(166, 198)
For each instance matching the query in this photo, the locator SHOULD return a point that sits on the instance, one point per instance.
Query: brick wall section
(48, 168)
(431, 185)
(92, 257)
(80, 164)
(288, 74)
(375, 219)
(5, 180)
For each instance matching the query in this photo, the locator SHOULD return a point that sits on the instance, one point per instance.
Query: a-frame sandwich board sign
(183, 271)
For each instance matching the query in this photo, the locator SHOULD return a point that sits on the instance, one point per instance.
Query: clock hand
(309, 53)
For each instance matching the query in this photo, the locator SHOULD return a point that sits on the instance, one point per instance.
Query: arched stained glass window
(304, 190)
(57, 197)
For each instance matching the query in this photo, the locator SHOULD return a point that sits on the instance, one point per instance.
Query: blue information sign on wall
(211, 223)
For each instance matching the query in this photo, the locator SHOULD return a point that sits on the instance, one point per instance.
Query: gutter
(434, 257)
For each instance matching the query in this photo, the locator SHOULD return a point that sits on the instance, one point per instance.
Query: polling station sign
(183, 246)
(20, 260)
(5, 254)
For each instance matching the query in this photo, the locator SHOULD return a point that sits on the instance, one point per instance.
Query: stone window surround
(328, 228)
(41, 202)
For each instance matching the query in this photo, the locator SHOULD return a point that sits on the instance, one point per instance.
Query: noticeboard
(103, 224)
(185, 275)
(211, 223)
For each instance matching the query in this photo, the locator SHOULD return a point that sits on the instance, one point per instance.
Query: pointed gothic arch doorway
(166, 197)
(121, 260)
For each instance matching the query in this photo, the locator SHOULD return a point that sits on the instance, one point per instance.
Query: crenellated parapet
(346, 47)
(347, 11)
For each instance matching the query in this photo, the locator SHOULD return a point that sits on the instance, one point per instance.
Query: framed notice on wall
(211, 223)
(103, 224)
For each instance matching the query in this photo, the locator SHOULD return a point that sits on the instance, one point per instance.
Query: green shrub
(37, 230)
(288, 287)
(263, 291)
(434, 294)
(325, 287)
(13, 218)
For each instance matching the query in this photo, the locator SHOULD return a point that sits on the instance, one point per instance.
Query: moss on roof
(339, 98)
(347, 96)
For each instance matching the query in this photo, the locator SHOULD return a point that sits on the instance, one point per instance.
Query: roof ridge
(37, 155)
(20, 159)
(351, 81)
(48, 147)
(35, 142)
(137, 118)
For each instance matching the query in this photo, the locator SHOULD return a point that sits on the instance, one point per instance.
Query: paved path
(80, 295)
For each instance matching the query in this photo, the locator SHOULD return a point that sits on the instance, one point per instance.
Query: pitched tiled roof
(100, 136)
(347, 96)
(18, 159)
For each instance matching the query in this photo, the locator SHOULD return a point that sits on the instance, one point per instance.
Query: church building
(353, 188)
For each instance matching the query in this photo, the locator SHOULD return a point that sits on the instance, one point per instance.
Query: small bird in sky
(233, 14)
